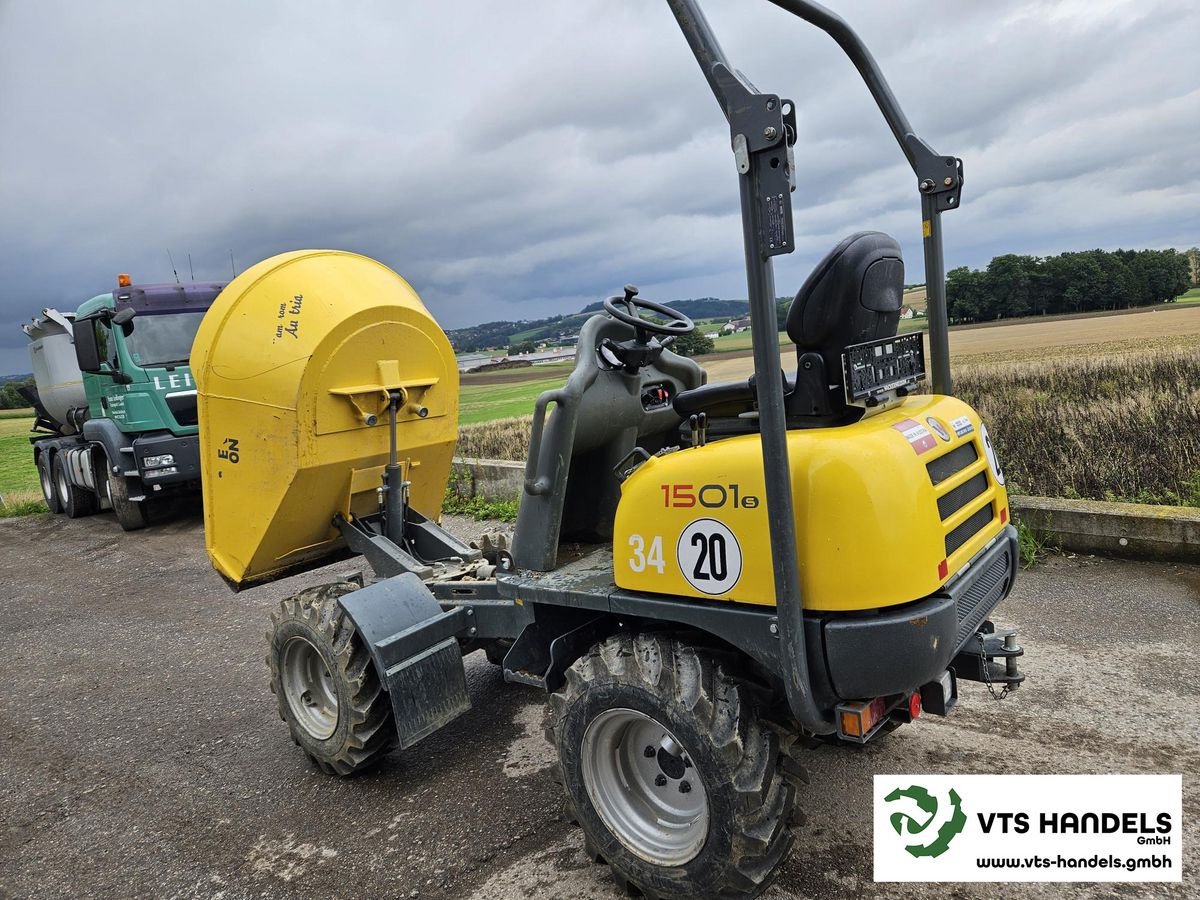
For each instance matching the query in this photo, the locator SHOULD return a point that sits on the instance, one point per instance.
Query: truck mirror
(87, 350)
(124, 318)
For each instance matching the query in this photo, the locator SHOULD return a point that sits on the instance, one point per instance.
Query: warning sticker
(916, 434)
(962, 425)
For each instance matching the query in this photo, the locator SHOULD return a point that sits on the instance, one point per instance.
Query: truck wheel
(131, 515)
(46, 479)
(669, 772)
(75, 501)
(325, 683)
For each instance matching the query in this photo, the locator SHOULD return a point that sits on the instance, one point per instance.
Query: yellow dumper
(704, 577)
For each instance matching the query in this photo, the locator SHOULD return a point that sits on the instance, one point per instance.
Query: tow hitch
(991, 657)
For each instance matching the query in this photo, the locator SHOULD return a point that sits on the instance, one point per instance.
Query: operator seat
(853, 295)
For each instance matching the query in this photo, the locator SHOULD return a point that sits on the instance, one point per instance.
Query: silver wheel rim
(47, 482)
(64, 490)
(309, 688)
(643, 785)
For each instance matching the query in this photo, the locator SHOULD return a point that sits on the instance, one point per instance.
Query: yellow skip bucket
(293, 365)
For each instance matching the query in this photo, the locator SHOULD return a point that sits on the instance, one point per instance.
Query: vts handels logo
(917, 813)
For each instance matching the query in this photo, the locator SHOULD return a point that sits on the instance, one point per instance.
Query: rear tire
(130, 514)
(638, 719)
(326, 684)
(75, 501)
(46, 480)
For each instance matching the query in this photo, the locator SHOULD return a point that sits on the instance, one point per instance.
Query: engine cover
(886, 510)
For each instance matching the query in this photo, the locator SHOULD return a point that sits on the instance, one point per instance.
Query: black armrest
(714, 398)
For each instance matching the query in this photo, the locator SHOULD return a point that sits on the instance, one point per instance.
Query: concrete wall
(1134, 530)
(492, 479)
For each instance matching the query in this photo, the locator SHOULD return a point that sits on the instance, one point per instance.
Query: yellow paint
(293, 362)
(926, 228)
(868, 529)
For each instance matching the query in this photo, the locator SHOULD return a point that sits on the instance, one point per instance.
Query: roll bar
(762, 130)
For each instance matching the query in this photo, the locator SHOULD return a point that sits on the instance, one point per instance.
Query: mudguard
(414, 646)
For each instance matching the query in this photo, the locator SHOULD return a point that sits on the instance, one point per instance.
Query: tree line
(1013, 285)
(9, 398)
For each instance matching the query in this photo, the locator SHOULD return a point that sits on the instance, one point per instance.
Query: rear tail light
(858, 720)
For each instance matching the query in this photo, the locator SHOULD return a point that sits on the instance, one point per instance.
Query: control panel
(657, 395)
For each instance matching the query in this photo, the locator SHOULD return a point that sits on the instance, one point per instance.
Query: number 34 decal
(709, 556)
(641, 560)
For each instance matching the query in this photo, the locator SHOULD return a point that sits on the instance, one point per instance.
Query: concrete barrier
(492, 479)
(1133, 530)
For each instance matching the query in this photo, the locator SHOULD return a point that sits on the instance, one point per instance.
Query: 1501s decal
(710, 496)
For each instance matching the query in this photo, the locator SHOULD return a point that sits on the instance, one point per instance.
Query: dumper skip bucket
(294, 366)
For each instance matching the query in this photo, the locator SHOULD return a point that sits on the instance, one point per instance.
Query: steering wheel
(677, 323)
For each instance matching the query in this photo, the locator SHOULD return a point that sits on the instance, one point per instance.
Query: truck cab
(132, 434)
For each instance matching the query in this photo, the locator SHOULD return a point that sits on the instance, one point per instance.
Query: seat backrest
(853, 295)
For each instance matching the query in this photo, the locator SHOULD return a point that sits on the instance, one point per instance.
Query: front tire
(326, 684)
(675, 782)
(130, 515)
(75, 501)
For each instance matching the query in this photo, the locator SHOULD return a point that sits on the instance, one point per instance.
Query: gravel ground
(141, 754)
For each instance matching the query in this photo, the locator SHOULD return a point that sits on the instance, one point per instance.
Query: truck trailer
(115, 401)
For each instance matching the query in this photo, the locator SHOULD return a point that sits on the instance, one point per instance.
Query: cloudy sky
(514, 160)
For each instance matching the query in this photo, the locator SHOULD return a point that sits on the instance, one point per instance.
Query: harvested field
(1174, 328)
(1124, 426)
(501, 439)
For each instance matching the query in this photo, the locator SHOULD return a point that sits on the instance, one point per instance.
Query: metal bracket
(630, 462)
(938, 176)
(762, 134)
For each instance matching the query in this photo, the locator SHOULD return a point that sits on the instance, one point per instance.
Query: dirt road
(141, 754)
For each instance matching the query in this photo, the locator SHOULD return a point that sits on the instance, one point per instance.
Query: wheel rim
(64, 490)
(47, 483)
(643, 785)
(309, 688)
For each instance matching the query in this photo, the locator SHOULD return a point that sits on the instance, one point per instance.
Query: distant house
(712, 334)
(906, 312)
(736, 325)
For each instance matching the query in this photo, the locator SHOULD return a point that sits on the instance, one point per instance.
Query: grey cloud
(513, 160)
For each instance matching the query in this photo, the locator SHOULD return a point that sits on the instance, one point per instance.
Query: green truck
(115, 402)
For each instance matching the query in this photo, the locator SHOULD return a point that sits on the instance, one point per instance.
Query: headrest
(853, 295)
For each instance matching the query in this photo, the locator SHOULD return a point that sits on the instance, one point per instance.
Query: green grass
(17, 471)
(26, 413)
(11, 509)
(1191, 297)
(479, 508)
(485, 402)
(1030, 544)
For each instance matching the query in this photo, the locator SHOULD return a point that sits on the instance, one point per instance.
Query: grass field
(18, 477)
(486, 402)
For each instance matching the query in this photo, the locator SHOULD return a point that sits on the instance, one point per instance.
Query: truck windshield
(161, 338)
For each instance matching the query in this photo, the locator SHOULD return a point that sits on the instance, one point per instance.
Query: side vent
(960, 480)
